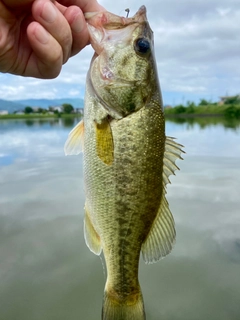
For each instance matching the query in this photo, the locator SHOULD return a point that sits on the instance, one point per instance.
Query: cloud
(197, 48)
(200, 53)
(74, 93)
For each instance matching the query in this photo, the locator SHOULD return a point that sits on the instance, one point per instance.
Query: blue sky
(197, 46)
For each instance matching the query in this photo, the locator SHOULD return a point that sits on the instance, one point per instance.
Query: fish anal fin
(104, 142)
(92, 238)
(161, 237)
(162, 234)
(74, 143)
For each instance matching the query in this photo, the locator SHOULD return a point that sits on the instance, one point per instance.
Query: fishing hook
(127, 10)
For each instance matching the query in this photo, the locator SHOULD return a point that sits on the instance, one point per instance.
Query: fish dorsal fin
(74, 143)
(92, 238)
(161, 237)
(104, 142)
(172, 152)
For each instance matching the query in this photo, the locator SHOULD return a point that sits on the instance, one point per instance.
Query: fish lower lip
(89, 15)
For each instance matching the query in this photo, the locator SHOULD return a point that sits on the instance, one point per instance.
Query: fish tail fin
(130, 308)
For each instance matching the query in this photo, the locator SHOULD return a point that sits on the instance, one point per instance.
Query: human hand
(38, 36)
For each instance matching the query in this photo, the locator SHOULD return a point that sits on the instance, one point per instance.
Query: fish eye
(142, 45)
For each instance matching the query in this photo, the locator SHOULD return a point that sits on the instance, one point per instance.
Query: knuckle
(49, 73)
(66, 44)
(50, 68)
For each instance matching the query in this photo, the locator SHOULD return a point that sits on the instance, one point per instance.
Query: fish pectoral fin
(74, 143)
(91, 236)
(161, 237)
(104, 141)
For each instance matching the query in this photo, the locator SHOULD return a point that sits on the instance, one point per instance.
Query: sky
(197, 49)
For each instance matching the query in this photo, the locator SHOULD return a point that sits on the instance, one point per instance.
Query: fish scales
(127, 158)
(124, 198)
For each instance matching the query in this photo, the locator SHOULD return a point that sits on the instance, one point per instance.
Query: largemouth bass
(127, 158)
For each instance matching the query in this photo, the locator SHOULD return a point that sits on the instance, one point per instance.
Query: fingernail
(49, 12)
(42, 35)
(78, 23)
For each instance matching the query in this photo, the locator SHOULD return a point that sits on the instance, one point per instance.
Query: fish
(127, 158)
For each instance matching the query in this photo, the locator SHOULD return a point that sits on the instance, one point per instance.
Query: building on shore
(3, 112)
(78, 110)
(225, 98)
(56, 108)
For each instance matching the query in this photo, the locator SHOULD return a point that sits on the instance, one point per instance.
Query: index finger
(84, 5)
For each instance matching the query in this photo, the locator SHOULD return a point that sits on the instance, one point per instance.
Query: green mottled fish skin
(127, 158)
(123, 198)
(124, 175)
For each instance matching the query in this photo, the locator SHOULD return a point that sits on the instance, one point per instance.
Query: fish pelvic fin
(129, 308)
(91, 236)
(74, 143)
(161, 238)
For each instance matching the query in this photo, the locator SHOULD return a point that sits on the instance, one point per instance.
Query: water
(47, 272)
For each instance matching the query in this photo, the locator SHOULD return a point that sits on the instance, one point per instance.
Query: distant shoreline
(39, 116)
(75, 115)
(193, 115)
(27, 116)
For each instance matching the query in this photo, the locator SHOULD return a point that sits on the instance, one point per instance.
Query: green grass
(232, 111)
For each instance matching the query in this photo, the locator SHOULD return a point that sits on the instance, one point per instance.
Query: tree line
(66, 108)
(230, 108)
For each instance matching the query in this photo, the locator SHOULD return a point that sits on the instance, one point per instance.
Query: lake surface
(48, 273)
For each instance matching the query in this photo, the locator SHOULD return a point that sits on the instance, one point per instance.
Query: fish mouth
(100, 24)
(107, 20)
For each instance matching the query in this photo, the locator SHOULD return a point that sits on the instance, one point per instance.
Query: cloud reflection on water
(46, 271)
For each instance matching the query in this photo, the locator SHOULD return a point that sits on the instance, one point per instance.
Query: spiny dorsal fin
(172, 152)
(161, 237)
(104, 141)
(92, 238)
(74, 143)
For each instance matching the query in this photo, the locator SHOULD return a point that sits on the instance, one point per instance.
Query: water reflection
(66, 122)
(29, 122)
(204, 122)
(47, 272)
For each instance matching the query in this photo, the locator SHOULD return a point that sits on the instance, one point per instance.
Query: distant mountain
(11, 106)
(15, 105)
